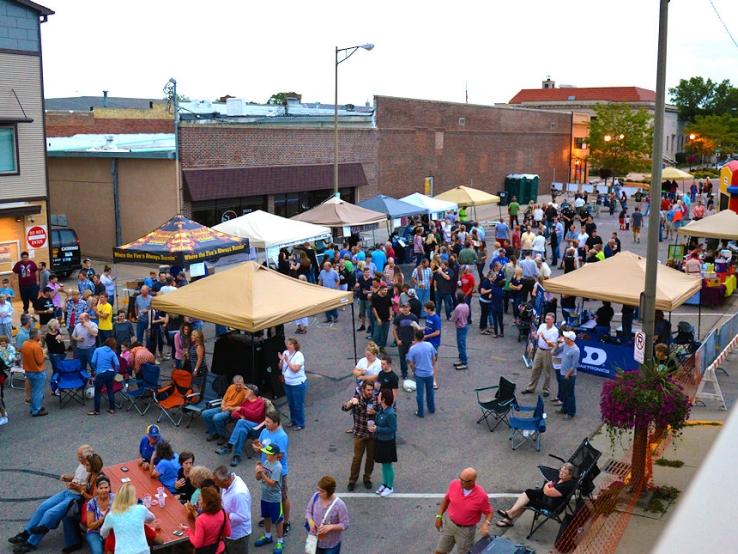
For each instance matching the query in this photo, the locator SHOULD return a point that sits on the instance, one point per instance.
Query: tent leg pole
(699, 316)
(253, 359)
(353, 330)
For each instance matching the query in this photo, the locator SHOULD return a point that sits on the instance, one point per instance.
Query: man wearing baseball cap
(147, 445)
(569, 352)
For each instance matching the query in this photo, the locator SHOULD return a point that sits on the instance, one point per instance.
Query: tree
(697, 96)
(620, 138)
(713, 133)
(278, 98)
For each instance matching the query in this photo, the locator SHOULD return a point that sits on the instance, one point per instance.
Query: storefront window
(212, 212)
(291, 204)
(8, 150)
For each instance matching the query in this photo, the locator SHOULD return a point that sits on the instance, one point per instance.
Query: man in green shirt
(463, 216)
(512, 209)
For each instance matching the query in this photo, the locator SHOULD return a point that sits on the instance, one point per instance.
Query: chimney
(105, 99)
(548, 83)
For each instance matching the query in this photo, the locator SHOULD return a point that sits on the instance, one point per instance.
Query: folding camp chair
(528, 429)
(208, 399)
(499, 407)
(147, 384)
(70, 381)
(175, 396)
(584, 460)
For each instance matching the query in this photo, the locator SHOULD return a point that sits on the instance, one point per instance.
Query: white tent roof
(265, 230)
(431, 205)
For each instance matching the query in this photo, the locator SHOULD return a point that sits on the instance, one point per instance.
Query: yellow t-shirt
(105, 317)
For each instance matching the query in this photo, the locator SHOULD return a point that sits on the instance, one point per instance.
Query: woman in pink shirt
(211, 526)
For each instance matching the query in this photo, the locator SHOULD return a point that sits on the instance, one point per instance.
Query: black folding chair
(584, 460)
(498, 408)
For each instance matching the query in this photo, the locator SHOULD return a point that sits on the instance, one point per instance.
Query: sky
(430, 50)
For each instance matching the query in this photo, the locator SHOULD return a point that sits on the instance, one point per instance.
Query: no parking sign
(639, 347)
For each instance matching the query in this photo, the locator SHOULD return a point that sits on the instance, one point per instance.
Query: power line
(717, 13)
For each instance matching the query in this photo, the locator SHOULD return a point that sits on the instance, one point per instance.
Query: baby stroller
(683, 343)
(527, 315)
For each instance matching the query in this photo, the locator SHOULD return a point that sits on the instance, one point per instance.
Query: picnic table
(169, 517)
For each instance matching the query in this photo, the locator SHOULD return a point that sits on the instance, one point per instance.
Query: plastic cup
(147, 500)
(370, 423)
(159, 491)
(162, 500)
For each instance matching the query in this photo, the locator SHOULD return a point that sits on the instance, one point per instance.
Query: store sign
(36, 236)
(228, 215)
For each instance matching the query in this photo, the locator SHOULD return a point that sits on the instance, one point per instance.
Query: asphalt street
(431, 451)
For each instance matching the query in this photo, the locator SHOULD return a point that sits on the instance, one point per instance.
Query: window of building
(212, 212)
(8, 150)
(293, 203)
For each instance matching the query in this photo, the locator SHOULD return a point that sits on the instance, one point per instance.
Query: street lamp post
(171, 89)
(347, 53)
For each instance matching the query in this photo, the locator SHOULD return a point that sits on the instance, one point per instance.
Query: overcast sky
(252, 48)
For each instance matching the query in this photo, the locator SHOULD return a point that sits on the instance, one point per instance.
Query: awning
(467, 196)
(19, 208)
(265, 230)
(235, 182)
(722, 225)
(335, 212)
(251, 297)
(394, 208)
(429, 204)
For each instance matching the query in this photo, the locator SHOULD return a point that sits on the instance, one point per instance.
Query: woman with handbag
(292, 364)
(211, 526)
(326, 519)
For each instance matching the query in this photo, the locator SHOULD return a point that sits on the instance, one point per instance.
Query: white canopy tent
(429, 204)
(269, 232)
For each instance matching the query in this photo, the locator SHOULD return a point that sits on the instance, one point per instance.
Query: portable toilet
(522, 185)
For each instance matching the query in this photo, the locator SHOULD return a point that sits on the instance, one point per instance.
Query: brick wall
(462, 144)
(211, 146)
(59, 124)
(18, 27)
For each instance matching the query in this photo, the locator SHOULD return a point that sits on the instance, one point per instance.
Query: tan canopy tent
(251, 297)
(722, 225)
(467, 196)
(621, 279)
(335, 212)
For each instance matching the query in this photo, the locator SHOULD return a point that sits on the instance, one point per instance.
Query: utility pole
(652, 250)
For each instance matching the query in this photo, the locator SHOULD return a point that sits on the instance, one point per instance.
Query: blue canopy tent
(393, 207)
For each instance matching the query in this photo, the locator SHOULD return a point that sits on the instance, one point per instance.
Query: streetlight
(607, 138)
(170, 89)
(347, 53)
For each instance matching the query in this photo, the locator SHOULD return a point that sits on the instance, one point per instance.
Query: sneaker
(261, 541)
(526, 391)
(458, 363)
(20, 538)
(3, 420)
(380, 489)
(462, 366)
(225, 449)
(368, 484)
(235, 461)
(42, 412)
(278, 547)
(362, 328)
(387, 491)
(351, 486)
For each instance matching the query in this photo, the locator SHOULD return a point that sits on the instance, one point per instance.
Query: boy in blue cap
(147, 446)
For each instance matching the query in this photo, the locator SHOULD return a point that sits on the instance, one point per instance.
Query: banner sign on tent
(603, 358)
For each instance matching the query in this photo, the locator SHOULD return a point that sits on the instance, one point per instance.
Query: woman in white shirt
(292, 363)
(369, 366)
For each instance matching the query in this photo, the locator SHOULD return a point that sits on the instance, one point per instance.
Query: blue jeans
(38, 383)
(447, 299)
(423, 297)
(84, 355)
(461, 343)
(7, 330)
(570, 405)
(496, 316)
(240, 435)
(50, 513)
(215, 421)
(424, 386)
(141, 325)
(331, 314)
(95, 543)
(381, 329)
(402, 353)
(296, 400)
(105, 379)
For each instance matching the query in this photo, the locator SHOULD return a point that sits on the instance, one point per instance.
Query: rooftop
(42, 10)
(584, 94)
(137, 145)
(88, 103)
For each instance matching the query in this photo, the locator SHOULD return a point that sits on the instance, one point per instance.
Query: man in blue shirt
(329, 278)
(421, 359)
(567, 375)
(502, 233)
(273, 433)
(379, 258)
(499, 257)
(147, 446)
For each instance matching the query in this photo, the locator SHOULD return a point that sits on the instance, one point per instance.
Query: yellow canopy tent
(670, 173)
(467, 196)
(621, 279)
(251, 297)
(722, 225)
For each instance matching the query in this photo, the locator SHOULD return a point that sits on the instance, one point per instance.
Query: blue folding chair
(147, 383)
(70, 381)
(528, 429)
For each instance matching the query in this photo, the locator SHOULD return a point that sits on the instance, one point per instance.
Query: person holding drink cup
(362, 406)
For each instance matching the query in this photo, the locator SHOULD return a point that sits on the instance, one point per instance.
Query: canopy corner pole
(353, 330)
(699, 316)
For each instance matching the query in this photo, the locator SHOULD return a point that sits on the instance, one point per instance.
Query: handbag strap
(325, 515)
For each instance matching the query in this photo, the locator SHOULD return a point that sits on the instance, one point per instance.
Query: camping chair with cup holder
(584, 459)
(527, 429)
(496, 409)
(172, 398)
(208, 399)
(147, 383)
(70, 381)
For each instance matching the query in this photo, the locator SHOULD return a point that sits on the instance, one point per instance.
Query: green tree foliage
(278, 98)
(696, 96)
(714, 133)
(620, 138)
